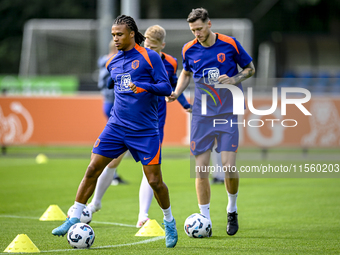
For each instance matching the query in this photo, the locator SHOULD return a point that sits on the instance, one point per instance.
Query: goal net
(58, 47)
(69, 47)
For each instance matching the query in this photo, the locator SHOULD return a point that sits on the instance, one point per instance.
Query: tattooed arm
(246, 73)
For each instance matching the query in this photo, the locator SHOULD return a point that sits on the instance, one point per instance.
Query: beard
(203, 39)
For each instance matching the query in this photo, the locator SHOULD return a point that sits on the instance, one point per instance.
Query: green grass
(276, 216)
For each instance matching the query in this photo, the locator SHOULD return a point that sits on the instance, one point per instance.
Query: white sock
(77, 210)
(216, 160)
(103, 182)
(145, 198)
(167, 214)
(205, 210)
(232, 202)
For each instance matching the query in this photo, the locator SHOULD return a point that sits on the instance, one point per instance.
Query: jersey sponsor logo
(221, 57)
(195, 61)
(123, 81)
(211, 75)
(135, 64)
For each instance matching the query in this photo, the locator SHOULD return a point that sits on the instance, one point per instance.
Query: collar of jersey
(128, 51)
(210, 45)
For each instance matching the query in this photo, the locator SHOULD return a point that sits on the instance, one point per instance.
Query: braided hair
(131, 24)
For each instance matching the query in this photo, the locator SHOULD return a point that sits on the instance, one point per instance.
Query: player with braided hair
(129, 21)
(139, 77)
(155, 40)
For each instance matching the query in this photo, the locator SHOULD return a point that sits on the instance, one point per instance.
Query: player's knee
(201, 176)
(92, 172)
(228, 164)
(230, 171)
(203, 163)
(155, 183)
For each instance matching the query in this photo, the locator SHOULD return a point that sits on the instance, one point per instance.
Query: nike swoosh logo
(146, 158)
(234, 145)
(113, 68)
(195, 61)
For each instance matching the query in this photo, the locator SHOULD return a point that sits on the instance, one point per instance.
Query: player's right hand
(171, 98)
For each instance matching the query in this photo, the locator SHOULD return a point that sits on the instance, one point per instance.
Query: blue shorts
(203, 133)
(144, 146)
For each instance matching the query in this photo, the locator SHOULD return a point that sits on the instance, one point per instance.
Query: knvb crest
(123, 81)
(221, 57)
(135, 64)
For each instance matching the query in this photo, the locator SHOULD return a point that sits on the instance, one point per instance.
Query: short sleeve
(241, 57)
(185, 61)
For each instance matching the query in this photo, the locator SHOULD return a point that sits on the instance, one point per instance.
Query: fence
(78, 120)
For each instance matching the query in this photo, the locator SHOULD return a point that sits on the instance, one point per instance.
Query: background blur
(49, 52)
(272, 19)
(51, 114)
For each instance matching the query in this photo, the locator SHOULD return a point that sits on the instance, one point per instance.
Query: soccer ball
(86, 215)
(80, 236)
(197, 226)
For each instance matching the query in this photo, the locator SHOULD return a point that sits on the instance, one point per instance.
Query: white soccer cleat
(93, 207)
(140, 223)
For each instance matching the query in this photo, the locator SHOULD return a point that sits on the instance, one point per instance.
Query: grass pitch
(276, 216)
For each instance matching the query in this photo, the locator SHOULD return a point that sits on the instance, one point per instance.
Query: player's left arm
(247, 72)
(161, 86)
(242, 58)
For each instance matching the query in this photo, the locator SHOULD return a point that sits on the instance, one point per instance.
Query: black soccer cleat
(232, 225)
(210, 233)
